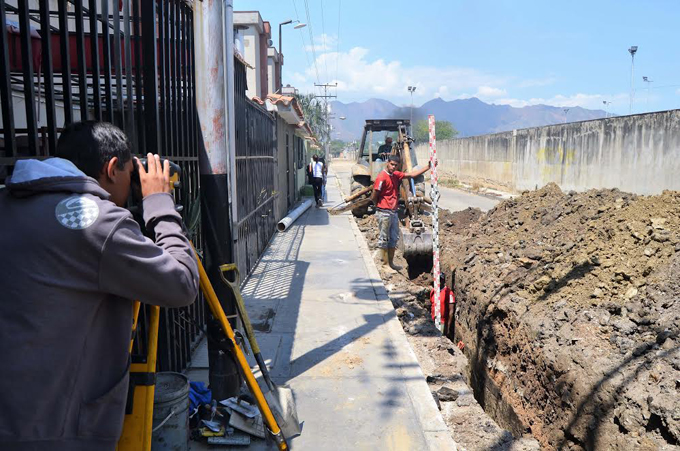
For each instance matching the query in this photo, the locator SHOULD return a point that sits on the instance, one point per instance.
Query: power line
(664, 86)
(325, 48)
(337, 48)
(311, 38)
(302, 35)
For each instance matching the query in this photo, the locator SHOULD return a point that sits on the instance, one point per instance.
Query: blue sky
(504, 52)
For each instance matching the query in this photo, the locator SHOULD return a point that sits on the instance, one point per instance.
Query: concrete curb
(435, 431)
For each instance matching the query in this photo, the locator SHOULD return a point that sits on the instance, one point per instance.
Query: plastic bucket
(170, 413)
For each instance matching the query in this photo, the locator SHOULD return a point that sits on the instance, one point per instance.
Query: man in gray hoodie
(72, 260)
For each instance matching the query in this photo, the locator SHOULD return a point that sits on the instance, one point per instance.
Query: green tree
(315, 115)
(336, 147)
(444, 130)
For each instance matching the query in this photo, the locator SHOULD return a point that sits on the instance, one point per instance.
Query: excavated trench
(568, 309)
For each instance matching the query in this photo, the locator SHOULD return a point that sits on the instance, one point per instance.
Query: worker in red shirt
(386, 199)
(446, 303)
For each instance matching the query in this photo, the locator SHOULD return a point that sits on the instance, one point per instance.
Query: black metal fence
(129, 62)
(255, 172)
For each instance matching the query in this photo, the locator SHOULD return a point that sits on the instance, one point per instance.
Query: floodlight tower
(632, 50)
(411, 89)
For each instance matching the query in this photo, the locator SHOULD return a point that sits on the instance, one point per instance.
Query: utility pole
(325, 96)
(212, 94)
(632, 50)
(411, 89)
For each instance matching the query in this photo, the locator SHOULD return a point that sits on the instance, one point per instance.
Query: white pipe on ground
(283, 224)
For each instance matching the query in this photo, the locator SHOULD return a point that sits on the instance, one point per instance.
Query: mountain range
(469, 116)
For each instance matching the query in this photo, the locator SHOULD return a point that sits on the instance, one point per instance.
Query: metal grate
(128, 62)
(255, 172)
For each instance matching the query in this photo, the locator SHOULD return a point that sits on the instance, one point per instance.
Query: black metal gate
(255, 172)
(129, 62)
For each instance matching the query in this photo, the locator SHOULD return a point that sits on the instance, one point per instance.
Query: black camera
(135, 200)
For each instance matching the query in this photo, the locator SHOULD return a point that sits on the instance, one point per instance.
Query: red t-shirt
(387, 187)
(446, 298)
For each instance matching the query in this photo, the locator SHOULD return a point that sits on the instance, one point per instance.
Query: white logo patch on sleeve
(76, 212)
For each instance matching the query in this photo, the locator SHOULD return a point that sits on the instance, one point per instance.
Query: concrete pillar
(211, 103)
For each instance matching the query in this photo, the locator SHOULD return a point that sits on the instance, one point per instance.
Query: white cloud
(323, 43)
(360, 77)
(591, 101)
(536, 82)
(489, 92)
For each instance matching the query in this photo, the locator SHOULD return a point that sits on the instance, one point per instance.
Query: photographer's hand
(157, 178)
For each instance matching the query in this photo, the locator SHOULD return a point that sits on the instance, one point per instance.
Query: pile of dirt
(443, 364)
(569, 308)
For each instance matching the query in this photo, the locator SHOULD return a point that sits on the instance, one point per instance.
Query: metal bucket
(170, 413)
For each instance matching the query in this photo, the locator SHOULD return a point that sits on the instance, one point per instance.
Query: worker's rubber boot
(385, 261)
(390, 260)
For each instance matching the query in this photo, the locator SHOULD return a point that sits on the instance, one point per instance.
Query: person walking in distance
(385, 197)
(317, 179)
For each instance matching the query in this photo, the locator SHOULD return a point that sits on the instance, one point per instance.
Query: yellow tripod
(138, 421)
(137, 428)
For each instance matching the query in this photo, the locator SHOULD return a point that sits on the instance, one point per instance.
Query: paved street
(451, 199)
(328, 329)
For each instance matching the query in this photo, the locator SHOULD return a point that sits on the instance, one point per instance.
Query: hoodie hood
(51, 175)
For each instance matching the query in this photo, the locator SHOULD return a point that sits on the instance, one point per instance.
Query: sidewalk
(328, 329)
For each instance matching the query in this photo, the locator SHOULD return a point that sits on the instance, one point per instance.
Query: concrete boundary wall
(638, 153)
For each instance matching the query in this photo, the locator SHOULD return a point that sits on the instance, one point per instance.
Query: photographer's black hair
(91, 144)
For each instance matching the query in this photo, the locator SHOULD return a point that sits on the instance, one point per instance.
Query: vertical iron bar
(180, 82)
(80, 55)
(150, 75)
(66, 88)
(166, 83)
(173, 79)
(176, 76)
(185, 88)
(128, 102)
(106, 41)
(27, 64)
(118, 67)
(192, 91)
(136, 46)
(94, 52)
(10, 146)
(48, 75)
(162, 42)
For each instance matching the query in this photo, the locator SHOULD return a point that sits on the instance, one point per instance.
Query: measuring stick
(434, 195)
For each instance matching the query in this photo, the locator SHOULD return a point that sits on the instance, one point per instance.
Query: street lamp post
(632, 50)
(287, 22)
(566, 111)
(606, 108)
(648, 81)
(411, 89)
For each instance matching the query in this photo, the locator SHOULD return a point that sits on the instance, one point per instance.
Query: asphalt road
(450, 199)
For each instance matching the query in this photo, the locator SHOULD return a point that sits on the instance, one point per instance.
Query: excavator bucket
(417, 244)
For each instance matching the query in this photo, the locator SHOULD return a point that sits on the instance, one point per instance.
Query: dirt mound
(569, 308)
(458, 222)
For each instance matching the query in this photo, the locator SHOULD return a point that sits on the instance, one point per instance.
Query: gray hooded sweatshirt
(71, 262)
